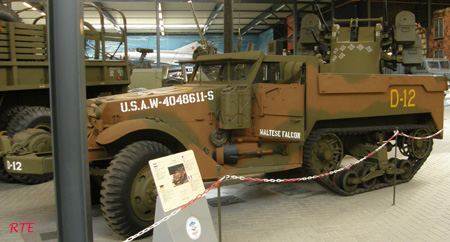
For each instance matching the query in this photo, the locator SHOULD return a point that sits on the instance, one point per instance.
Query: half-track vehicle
(24, 86)
(253, 113)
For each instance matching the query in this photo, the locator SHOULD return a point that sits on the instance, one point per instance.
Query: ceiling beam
(212, 16)
(206, 1)
(262, 17)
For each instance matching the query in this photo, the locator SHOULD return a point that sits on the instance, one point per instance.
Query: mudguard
(207, 166)
(121, 129)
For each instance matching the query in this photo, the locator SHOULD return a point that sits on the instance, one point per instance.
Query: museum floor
(281, 212)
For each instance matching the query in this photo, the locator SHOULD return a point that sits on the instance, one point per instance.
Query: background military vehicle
(24, 86)
(253, 113)
(433, 67)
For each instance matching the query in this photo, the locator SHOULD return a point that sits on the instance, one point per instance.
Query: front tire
(128, 195)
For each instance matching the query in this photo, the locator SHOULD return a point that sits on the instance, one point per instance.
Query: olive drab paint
(253, 113)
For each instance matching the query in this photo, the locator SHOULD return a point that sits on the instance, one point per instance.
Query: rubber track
(326, 181)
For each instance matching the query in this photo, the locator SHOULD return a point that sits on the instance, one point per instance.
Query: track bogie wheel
(128, 195)
(405, 165)
(347, 180)
(389, 178)
(364, 172)
(357, 168)
(335, 178)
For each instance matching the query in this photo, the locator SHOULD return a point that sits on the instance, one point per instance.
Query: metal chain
(396, 133)
(422, 138)
(308, 178)
(140, 233)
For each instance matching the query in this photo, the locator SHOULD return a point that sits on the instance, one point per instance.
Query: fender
(207, 166)
(121, 129)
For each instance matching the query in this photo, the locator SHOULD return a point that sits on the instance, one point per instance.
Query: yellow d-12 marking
(407, 98)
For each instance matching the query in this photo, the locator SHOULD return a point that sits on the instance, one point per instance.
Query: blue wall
(264, 38)
(177, 41)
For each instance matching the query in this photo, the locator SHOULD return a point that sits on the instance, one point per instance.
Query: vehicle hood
(158, 92)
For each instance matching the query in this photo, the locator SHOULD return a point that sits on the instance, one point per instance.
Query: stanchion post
(395, 168)
(219, 205)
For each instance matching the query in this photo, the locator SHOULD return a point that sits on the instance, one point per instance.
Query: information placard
(177, 179)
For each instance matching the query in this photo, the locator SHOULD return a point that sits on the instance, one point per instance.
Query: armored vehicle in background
(253, 113)
(24, 86)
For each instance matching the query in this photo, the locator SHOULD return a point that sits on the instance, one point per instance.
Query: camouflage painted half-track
(252, 113)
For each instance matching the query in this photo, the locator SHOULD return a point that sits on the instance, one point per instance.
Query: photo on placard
(178, 174)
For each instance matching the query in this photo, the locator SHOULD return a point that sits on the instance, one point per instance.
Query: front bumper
(28, 164)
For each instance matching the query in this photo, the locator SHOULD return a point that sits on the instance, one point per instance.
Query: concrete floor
(301, 211)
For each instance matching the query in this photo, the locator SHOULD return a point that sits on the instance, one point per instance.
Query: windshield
(444, 64)
(433, 64)
(227, 71)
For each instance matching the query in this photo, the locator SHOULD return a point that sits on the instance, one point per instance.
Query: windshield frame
(224, 63)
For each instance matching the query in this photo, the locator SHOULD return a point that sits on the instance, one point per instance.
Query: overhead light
(268, 15)
(159, 7)
(258, 22)
(161, 22)
(43, 14)
(215, 15)
(160, 15)
(33, 8)
(27, 5)
(162, 34)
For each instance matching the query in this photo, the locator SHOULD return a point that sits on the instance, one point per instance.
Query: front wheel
(128, 195)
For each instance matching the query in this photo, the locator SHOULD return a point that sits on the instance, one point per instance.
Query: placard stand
(178, 180)
(194, 223)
